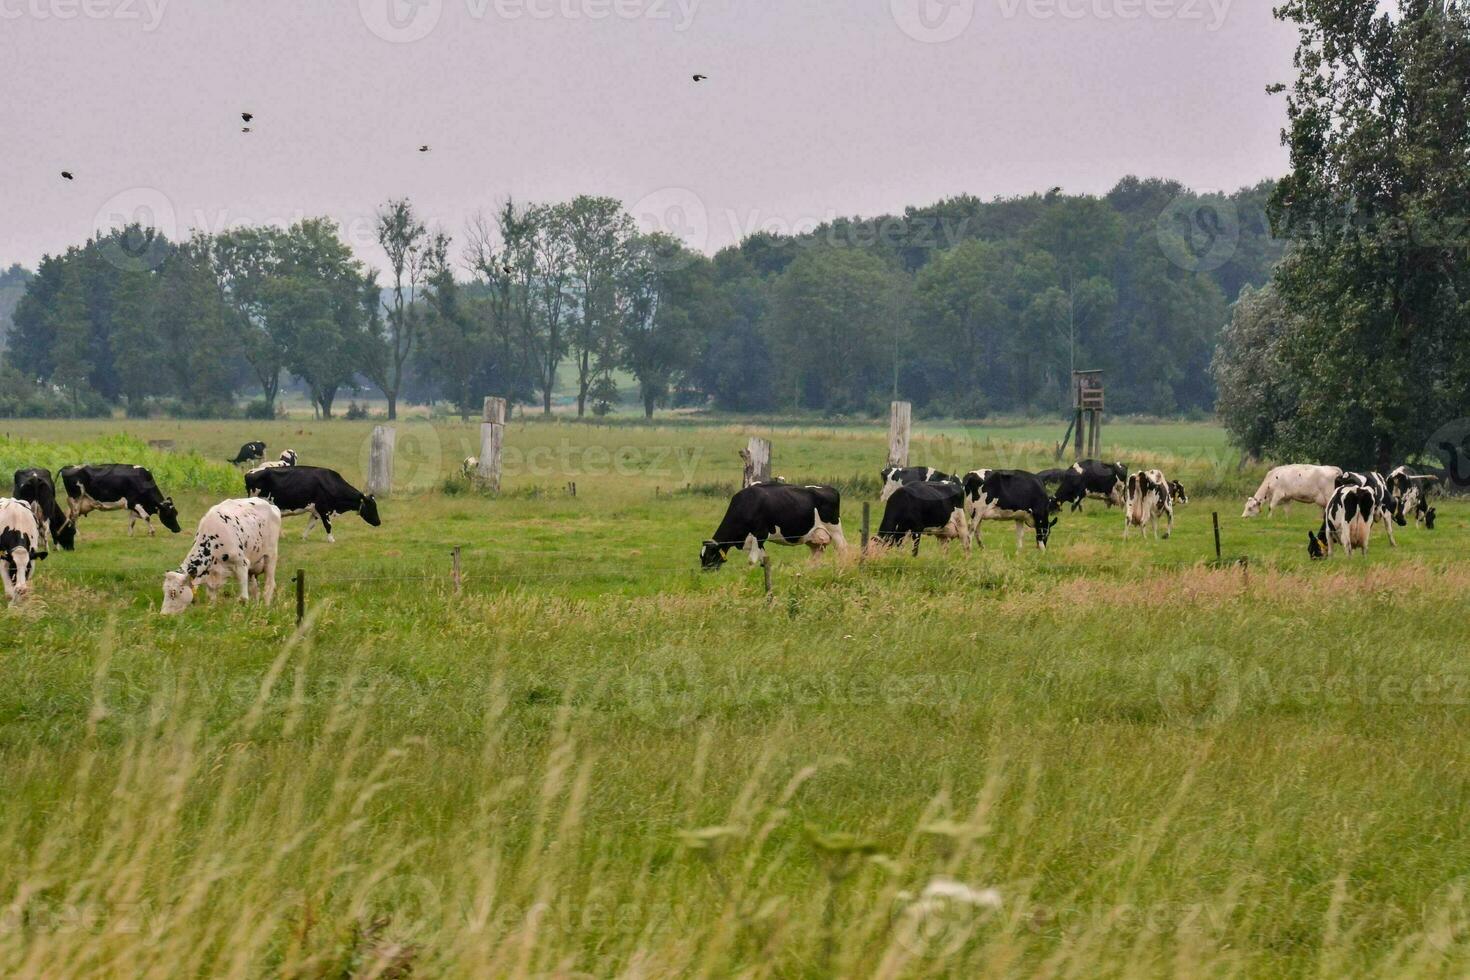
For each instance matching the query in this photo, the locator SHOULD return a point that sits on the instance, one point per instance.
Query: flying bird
(424, 148)
(700, 78)
(247, 116)
(66, 175)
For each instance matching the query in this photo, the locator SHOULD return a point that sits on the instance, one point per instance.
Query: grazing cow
(312, 490)
(34, 486)
(118, 486)
(288, 458)
(1347, 519)
(1009, 495)
(1176, 490)
(925, 508)
(1387, 509)
(21, 543)
(1300, 482)
(1412, 490)
(780, 512)
(236, 539)
(894, 477)
(1095, 479)
(249, 453)
(1149, 497)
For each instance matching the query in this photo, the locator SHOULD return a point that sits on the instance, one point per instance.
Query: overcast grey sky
(813, 108)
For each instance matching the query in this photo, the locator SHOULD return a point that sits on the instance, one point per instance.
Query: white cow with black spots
(1149, 498)
(22, 543)
(236, 539)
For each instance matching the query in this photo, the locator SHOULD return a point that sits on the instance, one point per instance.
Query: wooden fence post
(863, 544)
(492, 437)
(380, 461)
(1215, 516)
(457, 580)
(757, 457)
(900, 416)
(766, 568)
(300, 595)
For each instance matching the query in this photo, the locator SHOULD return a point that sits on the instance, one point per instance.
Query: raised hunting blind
(1085, 432)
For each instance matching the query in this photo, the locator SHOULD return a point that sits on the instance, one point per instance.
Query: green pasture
(591, 759)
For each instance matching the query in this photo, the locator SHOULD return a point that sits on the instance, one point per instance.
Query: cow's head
(17, 554)
(1043, 532)
(178, 593)
(1118, 495)
(289, 457)
(1176, 490)
(66, 535)
(368, 508)
(1252, 507)
(712, 556)
(1316, 545)
(168, 514)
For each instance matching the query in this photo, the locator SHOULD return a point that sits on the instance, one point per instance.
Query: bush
(356, 412)
(261, 410)
(22, 398)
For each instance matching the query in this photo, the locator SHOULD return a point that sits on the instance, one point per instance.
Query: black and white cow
(1149, 498)
(118, 486)
(1347, 520)
(894, 477)
(1412, 490)
(237, 539)
(1387, 507)
(34, 486)
(249, 453)
(777, 512)
(312, 490)
(1009, 495)
(918, 509)
(1176, 490)
(1092, 478)
(21, 544)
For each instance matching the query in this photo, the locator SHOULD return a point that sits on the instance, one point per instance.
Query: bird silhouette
(247, 116)
(66, 175)
(424, 148)
(245, 129)
(700, 78)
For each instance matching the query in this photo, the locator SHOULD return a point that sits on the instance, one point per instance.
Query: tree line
(965, 307)
(1356, 352)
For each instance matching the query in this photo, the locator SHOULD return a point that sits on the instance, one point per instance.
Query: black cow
(894, 477)
(1010, 495)
(1388, 510)
(312, 490)
(35, 486)
(1049, 477)
(780, 512)
(249, 453)
(925, 508)
(117, 486)
(1093, 478)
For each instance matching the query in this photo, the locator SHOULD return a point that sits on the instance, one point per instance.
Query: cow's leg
(268, 591)
(327, 526)
(242, 579)
(7, 580)
(1388, 526)
(310, 521)
(917, 538)
(1020, 535)
(838, 538)
(1170, 530)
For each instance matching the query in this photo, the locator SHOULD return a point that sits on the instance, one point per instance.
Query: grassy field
(1106, 760)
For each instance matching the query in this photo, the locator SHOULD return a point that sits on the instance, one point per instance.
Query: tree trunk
(546, 400)
(1385, 454)
(392, 406)
(648, 400)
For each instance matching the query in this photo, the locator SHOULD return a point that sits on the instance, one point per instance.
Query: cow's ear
(39, 556)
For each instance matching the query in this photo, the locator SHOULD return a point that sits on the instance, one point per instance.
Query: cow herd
(236, 540)
(920, 501)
